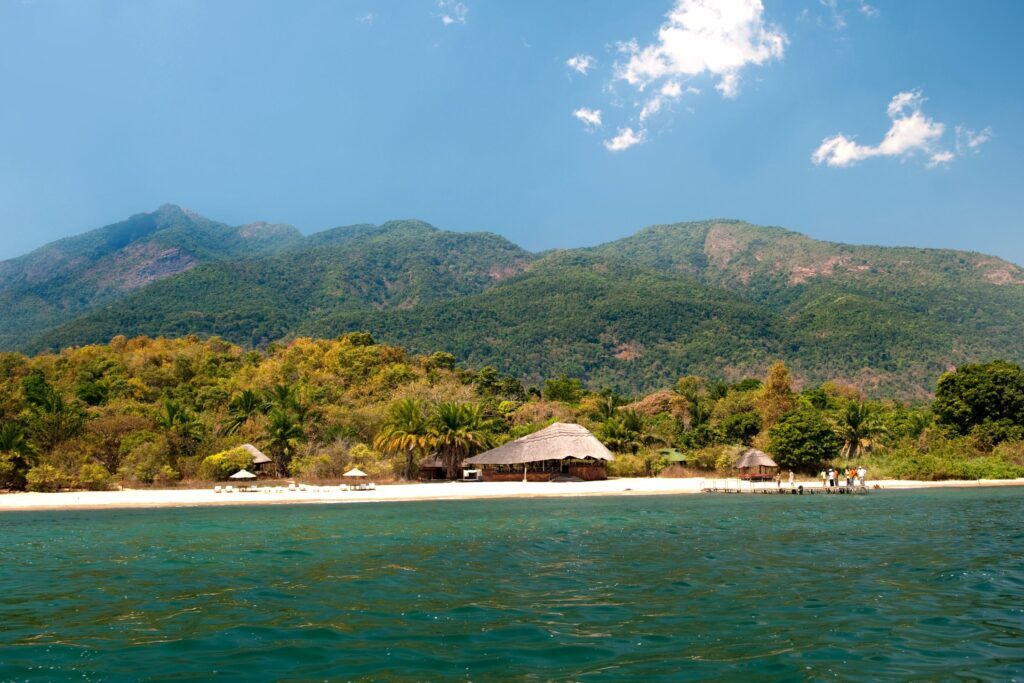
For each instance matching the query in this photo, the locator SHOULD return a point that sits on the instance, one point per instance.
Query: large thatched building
(756, 465)
(561, 450)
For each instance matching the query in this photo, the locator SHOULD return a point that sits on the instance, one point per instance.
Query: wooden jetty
(771, 488)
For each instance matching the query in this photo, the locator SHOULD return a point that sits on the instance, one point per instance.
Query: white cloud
(626, 138)
(867, 10)
(591, 118)
(669, 92)
(911, 132)
(581, 63)
(452, 12)
(366, 18)
(719, 38)
(968, 140)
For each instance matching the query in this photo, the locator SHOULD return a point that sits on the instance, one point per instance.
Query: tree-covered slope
(720, 298)
(65, 278)
(398, 265)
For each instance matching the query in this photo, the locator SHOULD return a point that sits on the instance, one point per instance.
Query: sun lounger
(216, 489)
(229, 489)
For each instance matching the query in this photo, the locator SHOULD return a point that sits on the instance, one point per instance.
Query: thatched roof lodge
(560, 450)
(258, 457)
(756, 465)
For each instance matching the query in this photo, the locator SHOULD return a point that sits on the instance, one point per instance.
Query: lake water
(906, 585)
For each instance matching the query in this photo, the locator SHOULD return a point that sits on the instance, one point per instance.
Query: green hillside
(718, 298)
(65, 278)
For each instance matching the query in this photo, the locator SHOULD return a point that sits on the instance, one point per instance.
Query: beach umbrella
(354, 472)
(243, 474)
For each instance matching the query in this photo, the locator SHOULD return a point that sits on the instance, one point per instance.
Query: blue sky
(866, 122)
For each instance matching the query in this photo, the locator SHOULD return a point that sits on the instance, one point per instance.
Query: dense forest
(159, 411)
(713, 298)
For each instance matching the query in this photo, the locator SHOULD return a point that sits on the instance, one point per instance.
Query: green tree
(406, 431)
(975, 395)
(623, 432)
(244, 407)
(183, 428)
(563, 388)
(459, 430)
(281, 436)
(857, 424)
(15, 450)
(802, 440)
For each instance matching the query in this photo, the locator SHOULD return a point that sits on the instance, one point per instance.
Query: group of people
(854, 476)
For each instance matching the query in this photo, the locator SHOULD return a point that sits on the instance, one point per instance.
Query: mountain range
(721, 298)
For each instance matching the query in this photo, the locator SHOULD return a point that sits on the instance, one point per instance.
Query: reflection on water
(912, 585)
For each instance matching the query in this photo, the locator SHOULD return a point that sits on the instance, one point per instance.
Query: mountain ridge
(720, 297)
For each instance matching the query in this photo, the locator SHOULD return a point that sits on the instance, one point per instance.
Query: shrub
(93, 477)
(147, 463)
(46, 478)
(12, 475)
(220, 466)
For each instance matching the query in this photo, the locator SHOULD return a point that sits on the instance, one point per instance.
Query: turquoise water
(896, 585)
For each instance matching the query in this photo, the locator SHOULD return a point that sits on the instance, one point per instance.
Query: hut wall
(493, 475)
(589, 472)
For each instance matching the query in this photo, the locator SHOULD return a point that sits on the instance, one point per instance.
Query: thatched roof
(354, 472)
(432, 461)
(243, 474)
(754, 458)
(557, 442)
(258, 458)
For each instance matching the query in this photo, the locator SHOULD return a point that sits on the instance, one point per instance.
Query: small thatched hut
(560, 450)
(756, 465)
(258, 457)
(432, 467)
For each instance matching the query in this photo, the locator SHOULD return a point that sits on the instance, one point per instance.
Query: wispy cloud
(591, 118)
(452, 12)
(366, 18)
(625, 139)
(581, 63)
(911, 133)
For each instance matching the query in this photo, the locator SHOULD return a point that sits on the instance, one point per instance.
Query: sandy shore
(145, 498)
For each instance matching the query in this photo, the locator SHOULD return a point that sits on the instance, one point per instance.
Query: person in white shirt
(862, 474)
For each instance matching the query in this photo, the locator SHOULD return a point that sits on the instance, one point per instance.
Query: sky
(555, 124)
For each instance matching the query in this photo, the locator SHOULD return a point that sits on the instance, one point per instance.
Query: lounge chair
(229, 489)
(216, 489)
(371, 486)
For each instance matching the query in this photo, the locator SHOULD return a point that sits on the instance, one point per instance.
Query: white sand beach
(183, 497)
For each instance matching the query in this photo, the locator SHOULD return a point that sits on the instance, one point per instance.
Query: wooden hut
(258, 457)
(756, 465)
(432, 468)
(560, 450)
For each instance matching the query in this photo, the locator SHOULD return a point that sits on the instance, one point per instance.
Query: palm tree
(282, 436)
(243, 407)
(459, 430)
(620, 434)
(407, 431)
(282, 396)
(857, 425)
(182, 426)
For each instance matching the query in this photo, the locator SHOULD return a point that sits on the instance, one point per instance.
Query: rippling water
(908, 585)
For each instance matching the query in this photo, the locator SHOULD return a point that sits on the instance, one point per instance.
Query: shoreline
(392, 493)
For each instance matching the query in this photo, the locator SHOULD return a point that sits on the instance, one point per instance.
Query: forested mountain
(62, 279)
(719, 298)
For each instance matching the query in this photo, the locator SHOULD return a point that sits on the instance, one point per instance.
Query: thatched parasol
(354, 472)
(243, 474)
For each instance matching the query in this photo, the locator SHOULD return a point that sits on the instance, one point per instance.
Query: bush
(802, 440)
(221, 466)
(147, 463)
(93, 477)
(46, 478)
(12, 474)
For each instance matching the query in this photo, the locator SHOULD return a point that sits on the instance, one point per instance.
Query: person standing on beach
(824, 478)
(831, 477)
(862, 474)
(791, 478)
